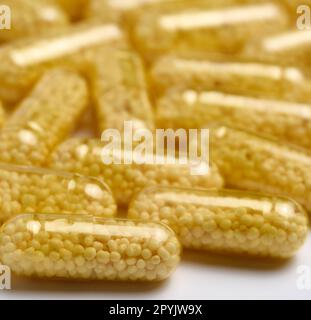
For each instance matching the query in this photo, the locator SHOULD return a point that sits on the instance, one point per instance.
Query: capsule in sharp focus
(226, 221)
(29, 17)
(29, 189)
(287, 121)
(84, 247)
(256, 163)
(119, 91)
(87, 157)
(23, 62)
(200, 27)
(44, 118)
(231, 75)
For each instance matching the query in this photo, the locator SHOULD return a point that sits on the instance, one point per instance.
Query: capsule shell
(85, 247)
(200, 27)
(44, 118)
(256, 163)
(32, 17)
(119, 91)
(279, 119)
(30, 189)
(226, 221)
(231, 75)
(23, 62)
(89, 157)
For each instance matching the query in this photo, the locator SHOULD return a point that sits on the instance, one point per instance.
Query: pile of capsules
(239, 67)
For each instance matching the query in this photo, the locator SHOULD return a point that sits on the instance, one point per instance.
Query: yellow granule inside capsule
(256, 163)
(233, 75)
(84, 247)
(26, 189)
(44, 118)
(226, 221)
(29, 17)
(207, 28)
(85, 156)
(23, 62)
(287, 121)
(119, 91)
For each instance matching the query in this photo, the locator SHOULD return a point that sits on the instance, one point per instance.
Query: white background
(199, 276)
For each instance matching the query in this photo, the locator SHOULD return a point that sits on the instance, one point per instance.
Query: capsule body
(22, 63)
(287, 121)
(127, 176)
(231, 75)
(199, 27)
(31, 17)
(44, 118)
(119, 91)
(29, 189)
(226, 221)
(84, 247)
(256, 163)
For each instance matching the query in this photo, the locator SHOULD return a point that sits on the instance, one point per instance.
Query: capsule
(124, 176)
(119, 91)
(23, 62)
(200, 27)
(226, 221)
(291, 47)
(44, 118)
(293, 6)
(287, 121)
(86, 247)
(231, 75)
(30, 189)
(257, 163)
(29, 17)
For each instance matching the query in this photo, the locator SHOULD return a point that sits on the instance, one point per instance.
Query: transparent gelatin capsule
(287, 121)
(44, 118)
(119, 91)
(126, 176)
(86, 247)
(226, 221)
(202, 27)
(232, 75)
(30, 189)
(23, 62)
(257, 163)
(32, 17)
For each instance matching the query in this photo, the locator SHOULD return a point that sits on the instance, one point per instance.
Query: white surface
(199, 276)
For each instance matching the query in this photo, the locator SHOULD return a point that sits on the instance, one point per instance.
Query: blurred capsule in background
(85, 247)
(44, 118)
(30, 189)
(126, 176)
(200, 26)
(231, 75)
(32, 17)
(119, 91)
(226, 221)
(23, 62)
(257, 163)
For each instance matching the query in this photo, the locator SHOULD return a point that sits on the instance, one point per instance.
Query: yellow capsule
(256, 163)
(30, 189)
(44, 118)
(126, 176)
(291, 47)
(23, 62)
(119, 91)
(104, 248)
(29, 17)
(231, 75)
(226, 221)
(221, 29)
(287, 121)
(75, 8)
